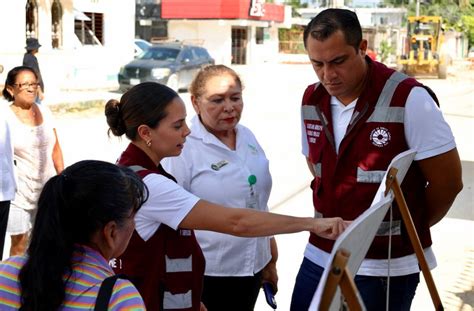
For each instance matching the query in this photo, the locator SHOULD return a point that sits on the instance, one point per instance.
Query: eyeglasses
(27, 85)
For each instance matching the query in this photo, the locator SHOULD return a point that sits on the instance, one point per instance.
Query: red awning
(219, 9)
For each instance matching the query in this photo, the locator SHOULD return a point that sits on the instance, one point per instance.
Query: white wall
(266, 52)
(12, 22)
(215, 36)
(455, 44)
(72, 66)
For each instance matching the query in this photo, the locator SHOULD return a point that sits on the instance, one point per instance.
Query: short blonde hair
(199, 82)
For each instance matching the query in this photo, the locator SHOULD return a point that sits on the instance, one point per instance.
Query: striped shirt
(89, 269)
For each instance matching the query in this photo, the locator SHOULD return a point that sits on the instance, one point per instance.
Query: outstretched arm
(444, 176)
(246, 222)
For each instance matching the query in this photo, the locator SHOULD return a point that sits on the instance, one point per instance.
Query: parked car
(140, 46)
(172, 64)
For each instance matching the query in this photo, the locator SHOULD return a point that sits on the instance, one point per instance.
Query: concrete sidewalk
(79, 96)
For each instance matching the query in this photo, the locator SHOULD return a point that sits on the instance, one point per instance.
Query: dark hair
(198, 84)
(330, 21)
(11, 79)
(72, 207)
(144, 103)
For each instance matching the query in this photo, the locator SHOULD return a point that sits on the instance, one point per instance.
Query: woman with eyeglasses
(36, 149)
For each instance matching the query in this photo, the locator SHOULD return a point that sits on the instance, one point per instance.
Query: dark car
(140, 46)
(172, 64)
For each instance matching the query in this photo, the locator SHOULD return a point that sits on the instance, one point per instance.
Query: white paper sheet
(357, 238)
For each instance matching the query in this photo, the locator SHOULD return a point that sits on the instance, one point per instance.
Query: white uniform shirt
(167, 203)
(7, 176)
(227, 185)
(428, 133)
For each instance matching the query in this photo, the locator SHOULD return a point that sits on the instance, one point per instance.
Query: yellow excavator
(424, 53)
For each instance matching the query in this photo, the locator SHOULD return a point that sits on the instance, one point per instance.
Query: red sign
(221, 9)
(257, 8)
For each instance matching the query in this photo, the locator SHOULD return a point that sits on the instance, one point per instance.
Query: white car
(140, 46)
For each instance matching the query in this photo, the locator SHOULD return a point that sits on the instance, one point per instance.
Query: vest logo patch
(380, 137)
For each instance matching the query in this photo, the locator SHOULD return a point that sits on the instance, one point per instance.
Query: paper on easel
(401, 162)
(358, 236)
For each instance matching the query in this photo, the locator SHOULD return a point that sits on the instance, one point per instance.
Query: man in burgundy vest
(355, 120)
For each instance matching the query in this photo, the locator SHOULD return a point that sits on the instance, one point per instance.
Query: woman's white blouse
(213, 172)
(33, 154)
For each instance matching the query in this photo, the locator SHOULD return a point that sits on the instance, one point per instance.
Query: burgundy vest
(346, 182)
(168, 268)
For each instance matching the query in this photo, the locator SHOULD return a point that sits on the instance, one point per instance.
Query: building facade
(233, 31)
(84, 42)
(378, 25)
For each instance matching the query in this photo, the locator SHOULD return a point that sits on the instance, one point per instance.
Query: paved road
(272, 98)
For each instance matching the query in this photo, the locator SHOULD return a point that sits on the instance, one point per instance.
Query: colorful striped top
(89, 269)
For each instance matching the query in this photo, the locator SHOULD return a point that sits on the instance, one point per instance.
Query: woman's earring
(148, 143)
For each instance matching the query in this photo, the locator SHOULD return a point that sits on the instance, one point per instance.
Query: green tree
(468, 20)
(385, 50)
(295, 4)
(457, 14)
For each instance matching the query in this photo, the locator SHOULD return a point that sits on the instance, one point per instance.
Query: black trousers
(231, 293)
(4, 212)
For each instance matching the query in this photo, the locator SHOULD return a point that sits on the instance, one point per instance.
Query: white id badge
(251, 201)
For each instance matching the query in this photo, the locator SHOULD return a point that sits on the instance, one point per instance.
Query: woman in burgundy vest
(163, 258)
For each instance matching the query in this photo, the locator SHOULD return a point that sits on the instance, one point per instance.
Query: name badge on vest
(185, 232)
(217, 166)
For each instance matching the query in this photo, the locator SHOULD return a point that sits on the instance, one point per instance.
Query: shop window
(239, 45)
(89, 28)
(259, 35)
(31, 19)
(56, 24)
(151, 29)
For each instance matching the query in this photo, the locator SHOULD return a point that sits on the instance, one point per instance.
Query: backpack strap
(105, 292)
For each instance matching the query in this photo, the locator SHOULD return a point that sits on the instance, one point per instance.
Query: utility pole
(417, 7)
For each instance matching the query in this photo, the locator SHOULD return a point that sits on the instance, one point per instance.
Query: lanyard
(252, 199)
(252, 180)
